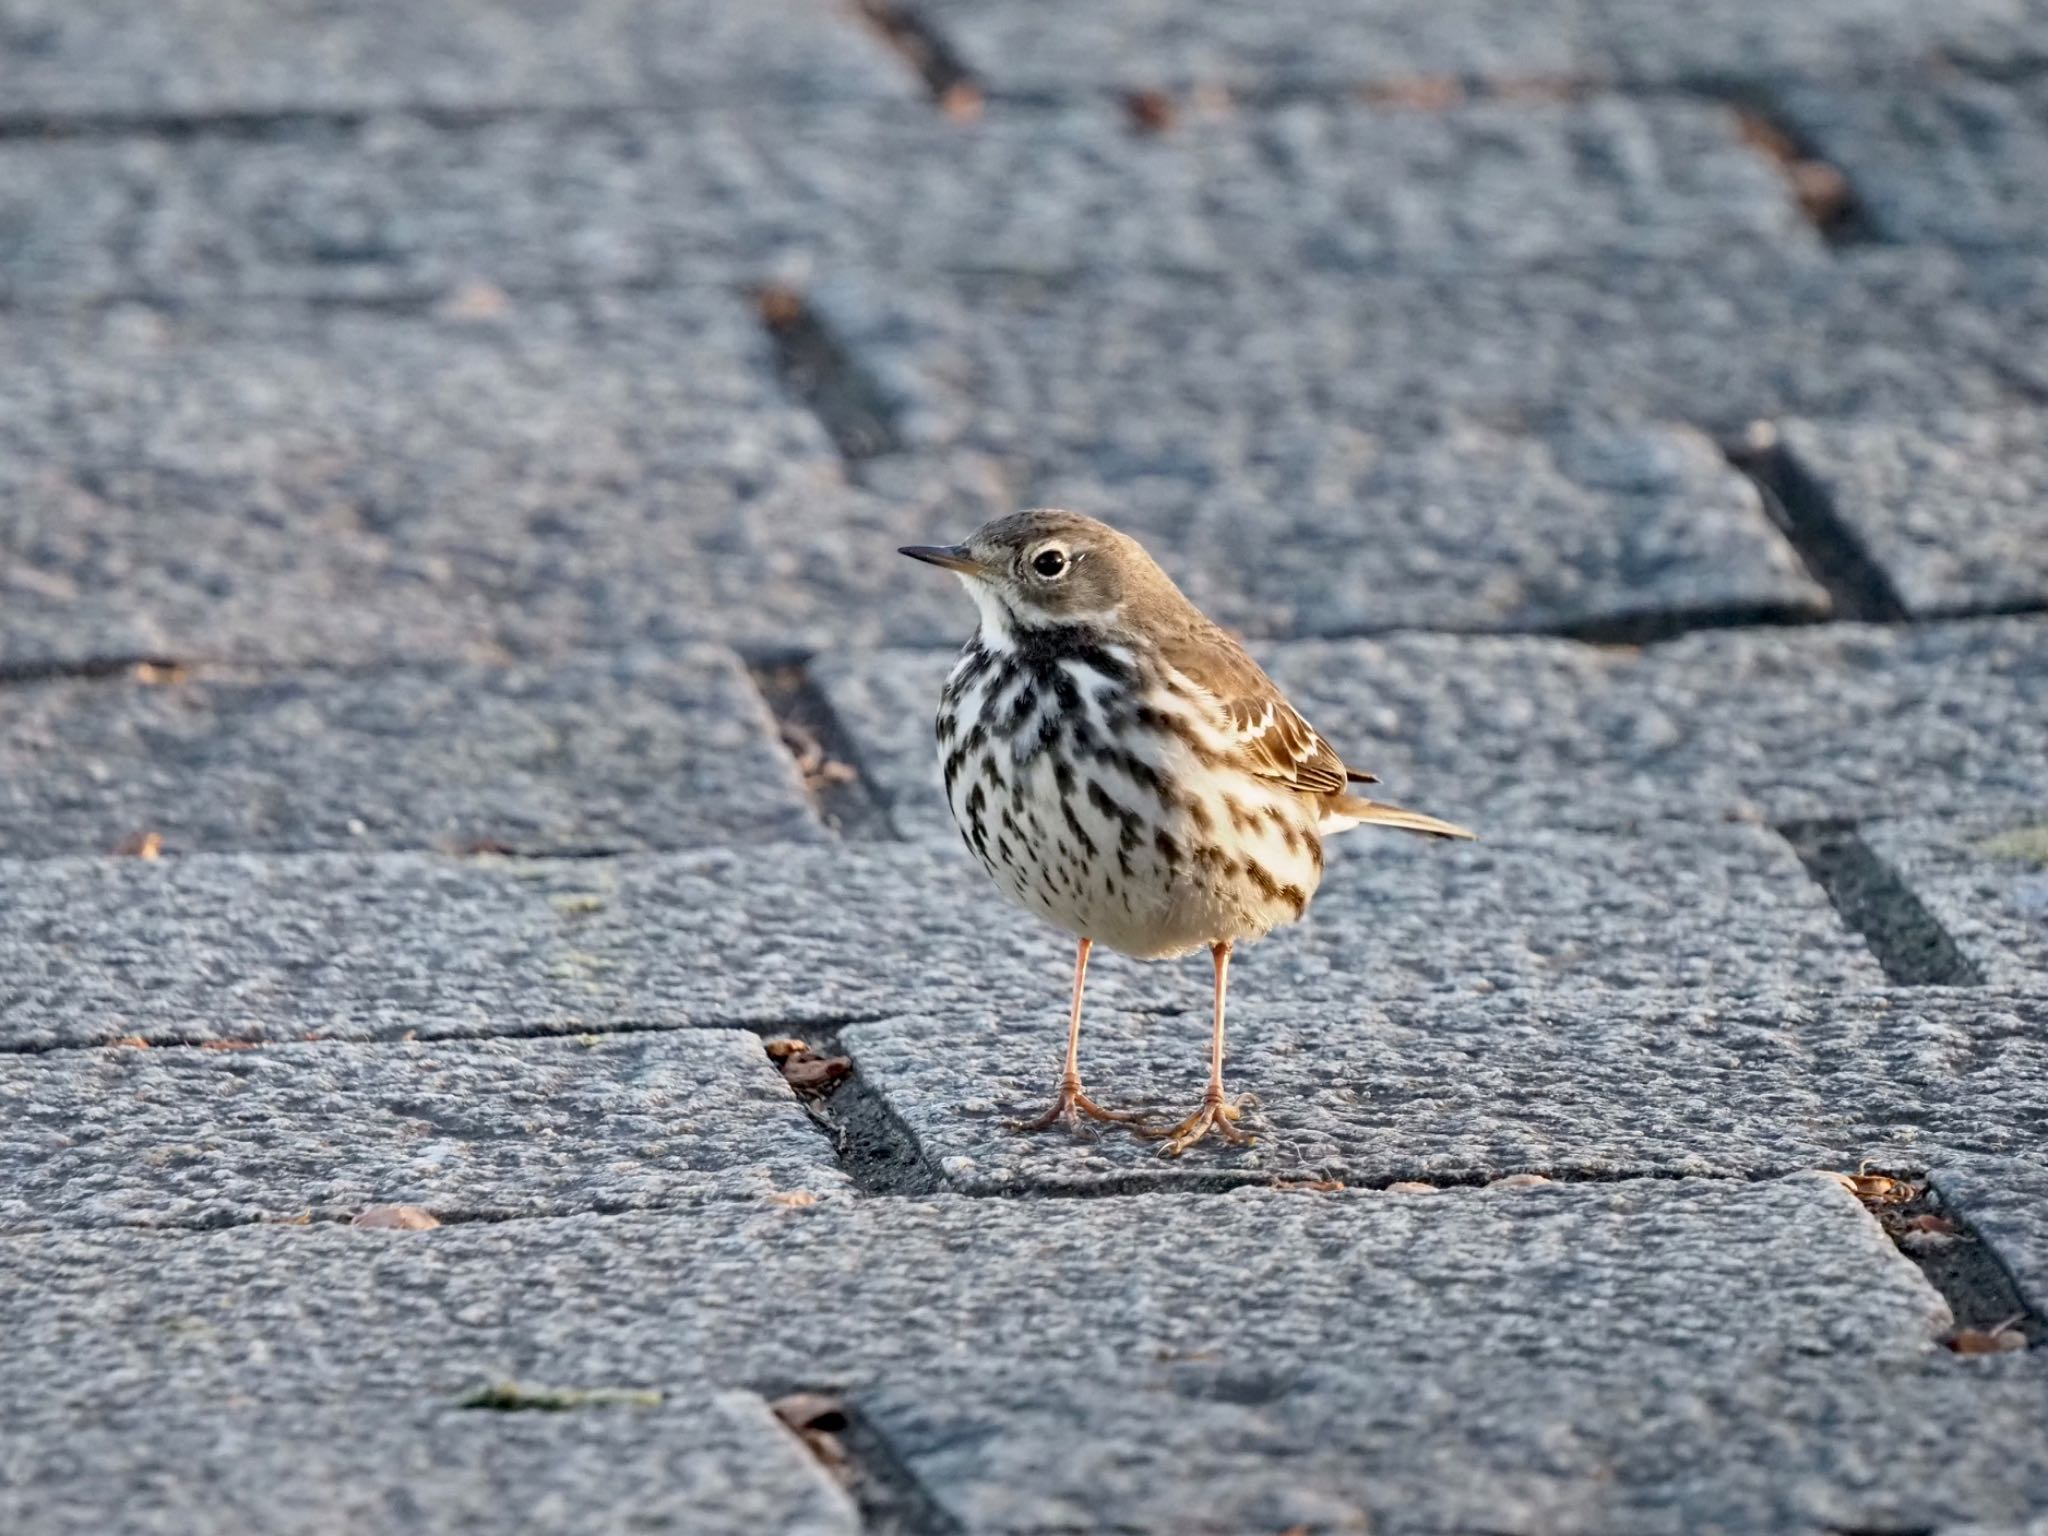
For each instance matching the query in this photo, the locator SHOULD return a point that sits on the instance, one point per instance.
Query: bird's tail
(1344, 811)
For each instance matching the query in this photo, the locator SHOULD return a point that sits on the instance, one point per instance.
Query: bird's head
(1047, 567)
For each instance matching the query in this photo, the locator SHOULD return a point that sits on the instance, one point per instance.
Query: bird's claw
(1217, 1114)
(1068, 1108)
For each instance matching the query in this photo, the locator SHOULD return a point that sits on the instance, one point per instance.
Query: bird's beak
(950, 557)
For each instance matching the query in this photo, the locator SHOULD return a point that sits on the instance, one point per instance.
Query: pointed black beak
(951, 557)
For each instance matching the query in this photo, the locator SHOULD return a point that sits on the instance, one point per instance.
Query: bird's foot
(1069, 1107)
(1217, 1114)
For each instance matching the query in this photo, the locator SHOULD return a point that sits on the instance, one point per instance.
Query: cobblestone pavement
(462, 720)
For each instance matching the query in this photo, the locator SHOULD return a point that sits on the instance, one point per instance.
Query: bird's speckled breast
(1096, 790)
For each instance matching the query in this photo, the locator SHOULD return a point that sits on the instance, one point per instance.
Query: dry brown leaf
(1411, 1187)
(395, 1218)
(784, 1047)
(1880, 1188)
(1151, 111)
(1933, 1221)
(808, 1072)
(779, 306)
(818, 1419)
(962, 102)
(810, 1410)
(130, 1042)
(157, 674)
(2001, 1340)
(794, 1199)
(144, 845)
(1317, 1186)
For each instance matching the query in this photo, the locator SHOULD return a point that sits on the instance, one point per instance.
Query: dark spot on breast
(1139, 772)
(1080, 832)
(1257, 873)
(1022, 711)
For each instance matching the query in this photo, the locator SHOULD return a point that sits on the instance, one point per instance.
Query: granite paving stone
(1455, 1090)
(1777, 724)
(1952, 506)
(402, 206)
(610, 753)
(274, 483)
(1955, 159)
(199, 59)
(1022, 366)
(1984, 880)
(714, 1463)
(1805, 1448)
(463, 1130)
(1563, 1277)
(780, 935)
(1062, 47)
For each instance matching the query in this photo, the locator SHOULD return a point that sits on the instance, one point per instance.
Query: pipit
(1122, 768)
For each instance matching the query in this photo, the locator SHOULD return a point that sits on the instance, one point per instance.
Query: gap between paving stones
(1858, 588)
(854, 1451)
(826, 757)
(875, 1149)
(1821, 188)
(822, 375)
(1968, 1271)
(1907, 940)
(928, 52)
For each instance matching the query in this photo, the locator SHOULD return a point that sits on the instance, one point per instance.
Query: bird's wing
(1269, 734)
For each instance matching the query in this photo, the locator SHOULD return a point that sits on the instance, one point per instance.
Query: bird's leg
(1071, 1102)
(1217, 1113)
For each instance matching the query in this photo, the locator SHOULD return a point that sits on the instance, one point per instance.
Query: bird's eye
(1049, 562)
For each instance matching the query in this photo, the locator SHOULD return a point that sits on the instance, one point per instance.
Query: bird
(1120, 766)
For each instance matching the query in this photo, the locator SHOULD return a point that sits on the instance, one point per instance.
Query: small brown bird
(1122, 768)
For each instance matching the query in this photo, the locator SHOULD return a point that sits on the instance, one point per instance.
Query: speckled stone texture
(1775, 725)
(1457, 1091)
(976, 1292)
(400, 206)
(339, 485)
(463, 1130)
(376, 947)
(1800, 1447)
(717, 1463)
(1952, 508)
(1072, 46)
(1026, 367)
(612, 753)
(208, 60)
(1984, 880)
